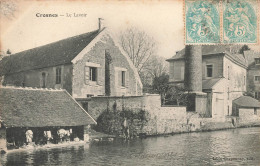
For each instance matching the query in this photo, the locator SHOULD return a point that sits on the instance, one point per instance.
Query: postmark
(202, 21)
(240, 21)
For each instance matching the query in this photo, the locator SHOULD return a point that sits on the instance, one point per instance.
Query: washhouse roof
(28, 107)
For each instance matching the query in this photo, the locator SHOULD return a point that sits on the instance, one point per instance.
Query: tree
(139, 47)
(170, 94)
(156, 67)
(243, 48)
(3, 53)
(161, 85)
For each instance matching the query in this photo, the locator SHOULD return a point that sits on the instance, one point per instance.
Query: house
(246, 108)
(39, 110)
(253, 73)
(223, 77)
(90, 64)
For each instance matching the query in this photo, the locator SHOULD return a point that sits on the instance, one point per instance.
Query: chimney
(193, 68)
(193, 80)
(100, 24)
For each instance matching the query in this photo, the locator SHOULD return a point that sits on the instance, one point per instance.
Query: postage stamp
(240, 21)
(202, 21)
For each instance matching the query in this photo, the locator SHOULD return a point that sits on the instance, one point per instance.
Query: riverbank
(225, 147)
(143, 124)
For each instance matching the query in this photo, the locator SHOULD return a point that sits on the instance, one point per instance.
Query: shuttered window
(123, 78)
(92, 73)
(209, 70)
(58, 75)
(43, 80)
(257, 78)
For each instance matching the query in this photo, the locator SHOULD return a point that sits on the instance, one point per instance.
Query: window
(257, 78)
(43, 80)
(228, 93)
(123, 78)
(228, 72)
(58, 75)
(257, 61)
(257, 95)
(255, 111)
(209, 70)
(92, 73)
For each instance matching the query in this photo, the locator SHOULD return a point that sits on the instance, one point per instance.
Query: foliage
(111, 122)
(244, 48)
(170, 94)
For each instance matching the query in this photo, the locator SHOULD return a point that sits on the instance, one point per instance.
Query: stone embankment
(146, 117)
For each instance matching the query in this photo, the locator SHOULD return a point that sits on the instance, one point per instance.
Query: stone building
(90, 64)
(247, 109)
(39, 110)
(223, 77)
(253, 73)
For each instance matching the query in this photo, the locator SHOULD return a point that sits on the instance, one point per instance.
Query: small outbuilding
(246, 108)
(43, 114)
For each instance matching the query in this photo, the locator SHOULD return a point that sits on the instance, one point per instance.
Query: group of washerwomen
(63, 135)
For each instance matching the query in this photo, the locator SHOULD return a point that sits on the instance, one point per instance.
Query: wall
(33, 78)
(235, 83)
(247, 116)
(219, 100)
(252, 85)
(177, 67)
(158, 119)
(216, 61)
(176, 70)
(96, 55)
(97, 105)
(146, 116)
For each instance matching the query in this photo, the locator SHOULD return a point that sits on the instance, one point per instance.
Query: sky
(22, 30)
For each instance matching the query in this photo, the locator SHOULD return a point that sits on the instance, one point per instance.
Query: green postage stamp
(221, 21)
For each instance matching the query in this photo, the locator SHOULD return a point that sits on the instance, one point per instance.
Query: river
(226, 147)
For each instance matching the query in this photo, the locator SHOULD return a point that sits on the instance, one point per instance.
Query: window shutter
(119, 73)
(86, 75)
(126, 79)
(100, 76)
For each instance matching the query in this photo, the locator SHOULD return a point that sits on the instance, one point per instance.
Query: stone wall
(33, 78)
(252, 85)
(144, 114)
(247, 116)
(95, 55)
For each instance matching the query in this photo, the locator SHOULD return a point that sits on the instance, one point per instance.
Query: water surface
(229, 147)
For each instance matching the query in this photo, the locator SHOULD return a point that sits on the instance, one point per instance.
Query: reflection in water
(231, 147)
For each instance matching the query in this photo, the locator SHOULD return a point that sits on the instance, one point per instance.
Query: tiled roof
(53, 54)
(209, 83)
(23, 107)
(215, 49)
(246, 101)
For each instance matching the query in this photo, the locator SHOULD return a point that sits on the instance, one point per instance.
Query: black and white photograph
(110, 82)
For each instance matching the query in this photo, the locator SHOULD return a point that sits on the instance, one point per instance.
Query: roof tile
(40, 108)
